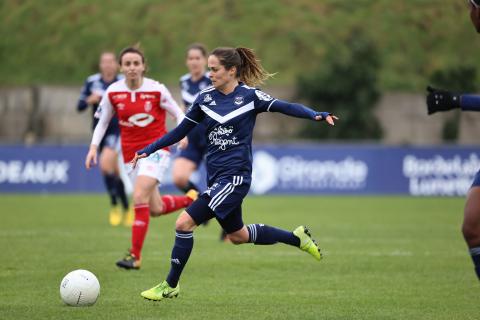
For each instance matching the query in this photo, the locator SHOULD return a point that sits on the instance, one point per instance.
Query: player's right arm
(106, 115)
(439, 100)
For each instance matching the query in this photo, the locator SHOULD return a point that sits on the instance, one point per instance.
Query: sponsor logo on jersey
(121, 106)
(120, 96)
(238, 100)
(263, 96)
(148, 106)
(222, 137)
(141, 119)
(207, 98)
(145, 96)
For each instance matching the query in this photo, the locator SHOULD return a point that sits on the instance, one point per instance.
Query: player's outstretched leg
(160, 291)
(261, 234)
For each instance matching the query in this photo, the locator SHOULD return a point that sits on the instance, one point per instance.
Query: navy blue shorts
(222, 201)
(111, 141)
(476, 180)
(197, 145)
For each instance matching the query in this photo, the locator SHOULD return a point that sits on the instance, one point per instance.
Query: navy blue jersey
(190, 88)
(230, 120)
(95, 84)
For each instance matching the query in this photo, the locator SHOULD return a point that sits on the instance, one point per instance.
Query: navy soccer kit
(197, 146)
(229, 121)
(95, 84)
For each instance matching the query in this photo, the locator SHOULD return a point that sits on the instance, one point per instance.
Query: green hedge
(58, 42)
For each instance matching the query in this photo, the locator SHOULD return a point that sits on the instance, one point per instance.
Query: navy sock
(110, 184)
(263, 234)
(190, 185)
(120, 191)
(475, 253)
(180, 253)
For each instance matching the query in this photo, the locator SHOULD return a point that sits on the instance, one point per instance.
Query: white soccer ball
(80, 288)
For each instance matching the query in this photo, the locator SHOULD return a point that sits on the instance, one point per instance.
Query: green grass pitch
(384, 258)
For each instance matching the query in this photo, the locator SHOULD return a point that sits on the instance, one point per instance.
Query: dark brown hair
(249, 69)
(198, 46)
(133, 49)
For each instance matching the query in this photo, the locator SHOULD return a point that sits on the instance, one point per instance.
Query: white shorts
(155, 166)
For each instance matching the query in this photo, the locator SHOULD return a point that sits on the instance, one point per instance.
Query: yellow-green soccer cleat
(115, 216)
(163, 290)
(307, 244)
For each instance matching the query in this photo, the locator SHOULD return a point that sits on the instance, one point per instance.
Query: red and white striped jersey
(141, 114)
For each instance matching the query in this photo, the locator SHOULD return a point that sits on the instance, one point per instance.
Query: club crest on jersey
(263, 96)
(238, 100)
(121, 106)
(148, 106)
(207, 98)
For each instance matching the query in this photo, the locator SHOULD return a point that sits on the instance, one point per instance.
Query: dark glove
(441, 100)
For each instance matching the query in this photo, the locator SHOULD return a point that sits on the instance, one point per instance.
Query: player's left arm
(439, 100)
(265, 103)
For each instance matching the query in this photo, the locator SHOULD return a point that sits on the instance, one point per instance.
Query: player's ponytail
(249, 69)
(252, 72)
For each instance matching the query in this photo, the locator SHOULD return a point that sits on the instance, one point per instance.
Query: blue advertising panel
(277, 169)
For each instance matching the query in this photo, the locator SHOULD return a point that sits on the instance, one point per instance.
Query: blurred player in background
(443, 100)
(91, 94)
(191, 84)
(141, 105)
(229, 110)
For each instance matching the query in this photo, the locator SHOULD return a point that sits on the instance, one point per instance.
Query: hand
(91, 157)
(441, 100)
(136, 158)
(183, 144)
(94, 99)
(329, 118)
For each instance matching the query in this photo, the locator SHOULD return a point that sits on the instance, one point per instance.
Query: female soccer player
(191, 84)
(229, 110)
(91, 94)
(140, 104)
(443, 100)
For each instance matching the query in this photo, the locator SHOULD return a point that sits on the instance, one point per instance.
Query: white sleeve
(168, 103)
(106, 114)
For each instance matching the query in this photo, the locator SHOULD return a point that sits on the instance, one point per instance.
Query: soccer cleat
(128, 217)
(130, 262)
(307, 244)
(115, 216)
(163, 290)
(192, 194)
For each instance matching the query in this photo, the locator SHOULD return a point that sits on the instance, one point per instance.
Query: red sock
(139, 228)
(173, 203)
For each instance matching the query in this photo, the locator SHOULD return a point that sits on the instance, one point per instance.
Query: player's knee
(185, 222)
(237, 239)
(471, 233)
(180, 180)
